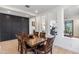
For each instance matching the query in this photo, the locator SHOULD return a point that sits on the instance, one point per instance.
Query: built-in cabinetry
(10, 25)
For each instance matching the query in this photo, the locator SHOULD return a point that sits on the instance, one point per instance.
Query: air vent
(27, 6)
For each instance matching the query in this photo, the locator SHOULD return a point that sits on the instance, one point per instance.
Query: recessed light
(9, 11)
(36, 11)
(26, 15)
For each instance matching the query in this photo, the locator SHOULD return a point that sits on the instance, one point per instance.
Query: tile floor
(10, 47)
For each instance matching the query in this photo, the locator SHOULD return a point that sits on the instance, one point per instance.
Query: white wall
(44, 18)
(76, 27)
(30, 25)
(61, 41)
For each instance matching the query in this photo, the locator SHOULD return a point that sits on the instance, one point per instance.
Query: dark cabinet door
(10, 25)
(25, 25)
(5, 27)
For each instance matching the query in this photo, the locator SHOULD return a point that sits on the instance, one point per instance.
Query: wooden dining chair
(36, 34)
(30, 36)
(19, 37)
(42, 35)
(25, 47)
(44, 49)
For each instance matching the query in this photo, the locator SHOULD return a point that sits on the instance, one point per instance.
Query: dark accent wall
(10, 25)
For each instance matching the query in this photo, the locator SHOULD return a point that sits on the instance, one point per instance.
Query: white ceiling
(71, 11)
(27, 12)
(20, 10)
(40, 8)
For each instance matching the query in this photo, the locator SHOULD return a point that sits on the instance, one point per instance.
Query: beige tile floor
(10, 47)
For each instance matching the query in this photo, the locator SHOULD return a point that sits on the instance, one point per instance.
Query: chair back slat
(49, 44)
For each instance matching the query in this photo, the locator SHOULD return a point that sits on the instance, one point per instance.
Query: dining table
(32, 42)
(35, 42)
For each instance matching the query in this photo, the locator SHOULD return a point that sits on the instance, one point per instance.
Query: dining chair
(46, 48)
(42, 35)
(19, 37)
(30, 36)
(22, 37)
(26, 47)
(36, 34)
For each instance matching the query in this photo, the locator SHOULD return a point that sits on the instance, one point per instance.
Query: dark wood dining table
(35, 41)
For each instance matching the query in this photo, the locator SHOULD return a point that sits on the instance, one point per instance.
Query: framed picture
(33, 23)
(69, 27)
